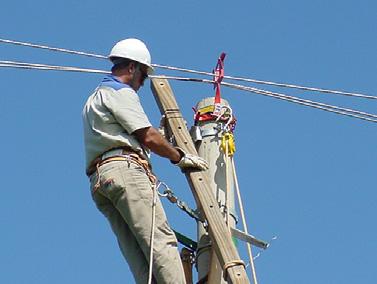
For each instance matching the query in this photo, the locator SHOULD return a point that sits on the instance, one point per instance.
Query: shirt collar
(113, 82)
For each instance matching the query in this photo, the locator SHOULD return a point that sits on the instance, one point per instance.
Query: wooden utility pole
(226, 252)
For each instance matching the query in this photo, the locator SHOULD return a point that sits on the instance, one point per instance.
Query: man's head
(132, 62)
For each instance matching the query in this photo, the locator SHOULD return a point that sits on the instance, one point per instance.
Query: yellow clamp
(206, 109)
(227, 143)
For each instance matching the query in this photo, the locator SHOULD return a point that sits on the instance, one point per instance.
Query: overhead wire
(24, 65)
(250, 80)
(284, 85)
(292, 86)
(28, 44)
(326, 107)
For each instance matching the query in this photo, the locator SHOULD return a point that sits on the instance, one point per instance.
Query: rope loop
(166, 191)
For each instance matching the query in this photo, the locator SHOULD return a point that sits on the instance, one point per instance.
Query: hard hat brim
(150, 69)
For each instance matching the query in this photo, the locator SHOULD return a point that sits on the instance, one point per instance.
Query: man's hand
(162, 128)
(152, 139)
(191, 161)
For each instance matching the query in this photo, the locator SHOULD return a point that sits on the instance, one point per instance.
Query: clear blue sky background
(307, 176)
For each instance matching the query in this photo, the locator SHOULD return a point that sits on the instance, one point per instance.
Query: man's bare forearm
(153, 140)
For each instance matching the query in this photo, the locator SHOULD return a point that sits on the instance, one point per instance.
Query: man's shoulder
(120, 93)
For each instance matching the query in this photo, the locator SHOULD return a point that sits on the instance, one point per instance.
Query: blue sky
(306, 176)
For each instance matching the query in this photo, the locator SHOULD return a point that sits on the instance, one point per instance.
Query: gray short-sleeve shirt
(110, 116)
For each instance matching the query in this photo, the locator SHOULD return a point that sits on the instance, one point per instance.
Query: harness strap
(219, 75)
(132, 158)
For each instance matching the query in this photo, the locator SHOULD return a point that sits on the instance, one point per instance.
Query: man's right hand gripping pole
(189, 161)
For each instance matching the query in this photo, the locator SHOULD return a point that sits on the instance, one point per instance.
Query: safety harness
(124, 154)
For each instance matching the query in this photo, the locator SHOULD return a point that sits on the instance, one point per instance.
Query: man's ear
(132, 67)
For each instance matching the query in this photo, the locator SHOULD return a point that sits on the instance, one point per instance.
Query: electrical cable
(322, 106)
(284, 85)
(23, 65)
(28, 44)
(292, 86)
(327, 91)
(326, 107)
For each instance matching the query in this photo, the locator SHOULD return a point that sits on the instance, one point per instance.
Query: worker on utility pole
(118, 139)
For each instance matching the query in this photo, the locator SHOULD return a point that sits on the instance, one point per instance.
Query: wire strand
(28, 44)
(284, 85)
(358, 95)
(292, 86)
(23, 65)
(322, 106)
(325, 107)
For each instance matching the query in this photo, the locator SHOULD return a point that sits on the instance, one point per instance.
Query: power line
(330, 108)
(302, 87)
(284, 85)
(28, 44)
(23, 65)
(326, 107)
(269, 83)
(322, 106)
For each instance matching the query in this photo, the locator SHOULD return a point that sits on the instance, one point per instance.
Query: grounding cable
(284, 85)
(326, 107)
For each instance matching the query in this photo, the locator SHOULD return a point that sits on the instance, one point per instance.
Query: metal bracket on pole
(248, 238)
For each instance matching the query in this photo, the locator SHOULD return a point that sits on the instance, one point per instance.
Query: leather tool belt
(118, 154)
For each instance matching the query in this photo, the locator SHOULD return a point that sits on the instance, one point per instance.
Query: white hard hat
(133, 49)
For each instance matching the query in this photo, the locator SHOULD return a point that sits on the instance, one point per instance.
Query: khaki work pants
(125, 197)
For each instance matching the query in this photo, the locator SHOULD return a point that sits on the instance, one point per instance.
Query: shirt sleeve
(125, 105)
